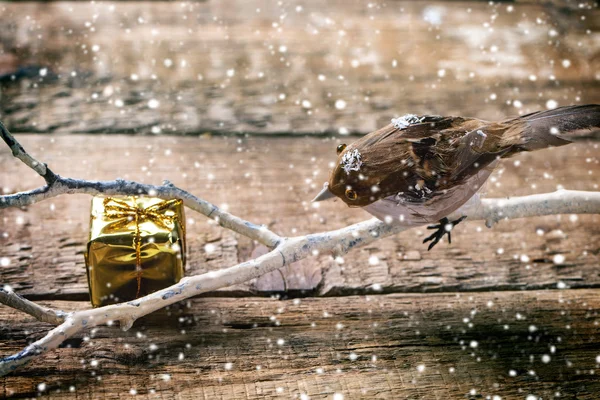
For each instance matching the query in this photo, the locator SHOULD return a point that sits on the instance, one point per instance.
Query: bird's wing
(473, 152)
(383, 149)
(419, 141)
(451, 158)
(448, 147)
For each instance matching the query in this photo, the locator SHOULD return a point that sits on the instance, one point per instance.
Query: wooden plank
(271, 181)
(429, 346)
(239, 66)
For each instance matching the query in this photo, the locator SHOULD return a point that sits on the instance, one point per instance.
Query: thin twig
(44, 314)
(494, 210)
(19, 152)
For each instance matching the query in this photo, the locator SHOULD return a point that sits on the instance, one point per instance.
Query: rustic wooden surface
(428, 346)
(270, 180)
(252, 66)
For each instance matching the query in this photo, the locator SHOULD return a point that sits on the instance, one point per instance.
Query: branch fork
(283, 250)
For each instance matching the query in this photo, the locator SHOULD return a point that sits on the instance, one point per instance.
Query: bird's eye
(351, 194)
(340, 148)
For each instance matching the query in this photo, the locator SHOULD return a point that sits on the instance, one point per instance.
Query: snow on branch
(44, 314)
(19, 152)
(284, 250)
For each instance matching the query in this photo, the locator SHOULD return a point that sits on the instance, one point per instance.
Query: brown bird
(420, 169)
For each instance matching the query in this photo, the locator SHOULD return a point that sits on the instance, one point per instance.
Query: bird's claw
(444, 227)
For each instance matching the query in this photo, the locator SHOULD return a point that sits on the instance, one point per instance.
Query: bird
(419, 169)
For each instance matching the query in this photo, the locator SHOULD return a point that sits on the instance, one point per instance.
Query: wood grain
(428, 346)
(271, 181)
(280, 68)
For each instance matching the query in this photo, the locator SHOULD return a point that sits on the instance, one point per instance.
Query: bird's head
(357, 178)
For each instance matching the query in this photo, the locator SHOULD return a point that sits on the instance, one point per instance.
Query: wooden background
(456, 322)
(279, 67)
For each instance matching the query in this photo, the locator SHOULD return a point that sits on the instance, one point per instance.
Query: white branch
(19, 152)
(559, 202)
(44, 314)
(285, 250)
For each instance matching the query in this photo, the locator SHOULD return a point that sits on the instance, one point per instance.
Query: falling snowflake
(407, 120)
(351, 161)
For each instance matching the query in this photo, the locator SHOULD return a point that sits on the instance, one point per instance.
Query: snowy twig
(284, 250)
(19, 152)
(44, 314)
(560, 202)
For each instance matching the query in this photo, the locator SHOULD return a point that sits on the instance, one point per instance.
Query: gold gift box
(136, 247)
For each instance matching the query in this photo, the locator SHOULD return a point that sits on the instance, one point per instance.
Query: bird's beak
(324, 194)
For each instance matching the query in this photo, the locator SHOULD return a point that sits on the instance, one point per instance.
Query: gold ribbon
(124, 214)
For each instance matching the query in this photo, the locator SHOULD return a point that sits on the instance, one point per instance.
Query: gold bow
(124, 214)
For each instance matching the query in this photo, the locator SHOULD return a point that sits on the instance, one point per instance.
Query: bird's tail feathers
(555, 127)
